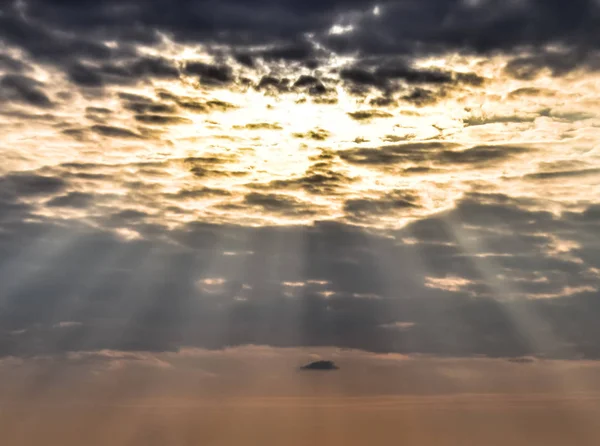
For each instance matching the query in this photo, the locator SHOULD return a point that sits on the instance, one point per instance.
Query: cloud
(73, 38)
(278, 203)
(209, 74)
(320, 365)
(365, 115)
(317, 135)
(387, 155)
(8, 63)
(390, 203)
(155, 119)
(30, 184)
(482, 154)
(261, 126)
(25, 90)
(557, 175)
(114, 132)
(485, 120)
(76, 200)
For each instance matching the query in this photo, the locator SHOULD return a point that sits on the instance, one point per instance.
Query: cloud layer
(394, 176)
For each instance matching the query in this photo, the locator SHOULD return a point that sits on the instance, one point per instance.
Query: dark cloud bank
(481, 279)
(386, 35)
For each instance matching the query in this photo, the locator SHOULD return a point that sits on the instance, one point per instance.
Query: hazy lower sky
(198, 197)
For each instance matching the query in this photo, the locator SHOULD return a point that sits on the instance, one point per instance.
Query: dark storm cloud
(25, 90)
(72, 36)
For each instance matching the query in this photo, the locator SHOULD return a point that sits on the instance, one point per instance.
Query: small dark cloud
(509, 119)
(326, 100)
(530, 92)
(278, 203)
(383, 101)
(366, 115)
(203, 192)
(522, 360)
(210, 166)
(75, 200)
(359, 208)
(320, 366)
(131, 71)
(273, 84)
(411, 75)
(76, 133)
(567, 116)
(245, 59)
(144, 107)
(154, 119)
(132, 97)
(24, 90)
(114, 132)
(562, 174)
(306, 81)
(422, 97)
(555, 63)
(260, 126)
(98, 111)
(210, 74)
(85, 76)
(8, 63)
(362, 78)
(317, 135)
(154, 67)
(291, 52)
(393, 154)
(200, 106)
(481, 154)
(30, 184)
(472, 79)
(313, 85)
(389, 76)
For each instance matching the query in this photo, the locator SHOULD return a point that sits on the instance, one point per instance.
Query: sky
(198, 193)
